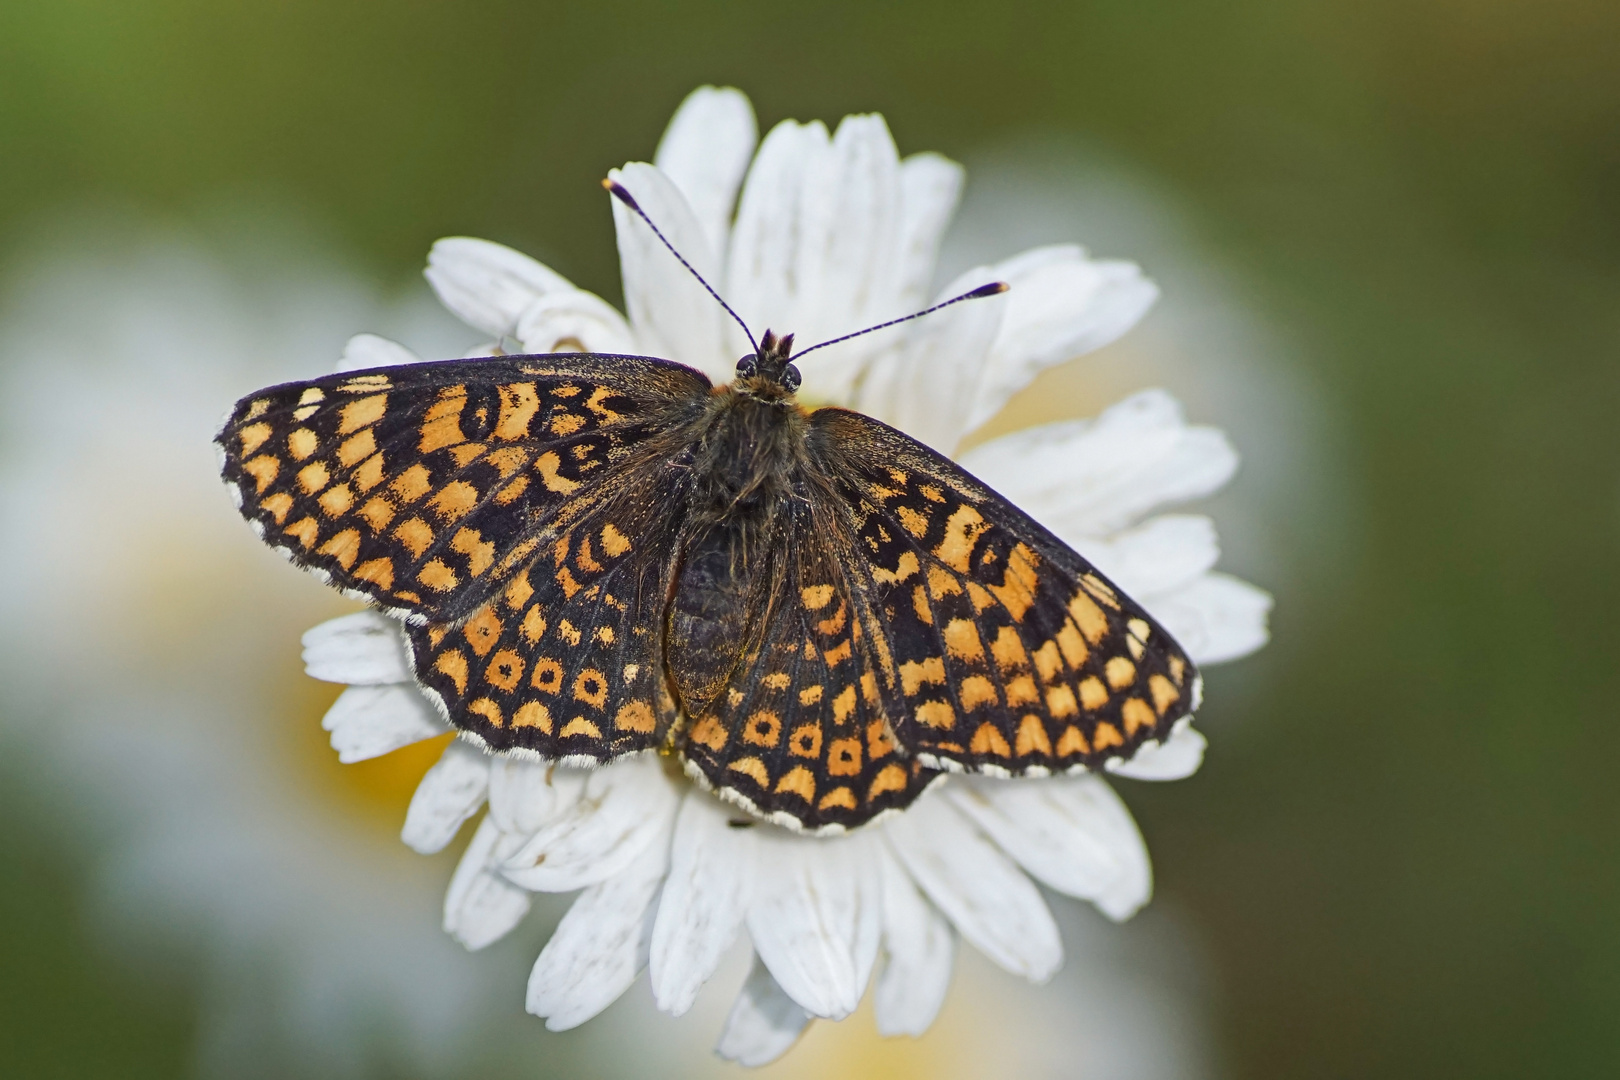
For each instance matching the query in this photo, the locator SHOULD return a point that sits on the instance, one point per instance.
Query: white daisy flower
(830, 233)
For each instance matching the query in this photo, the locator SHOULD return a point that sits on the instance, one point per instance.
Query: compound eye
(748, 367)
(791, 377)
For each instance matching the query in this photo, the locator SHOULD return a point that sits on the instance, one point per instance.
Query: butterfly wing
(516, 511)
(567, 660)
(423, 488)
(1013, 655)
(797, 731)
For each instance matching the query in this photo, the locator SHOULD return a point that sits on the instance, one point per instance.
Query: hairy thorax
(748, 456)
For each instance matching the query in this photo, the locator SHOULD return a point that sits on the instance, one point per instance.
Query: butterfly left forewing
(420, 487)
(1013, 655)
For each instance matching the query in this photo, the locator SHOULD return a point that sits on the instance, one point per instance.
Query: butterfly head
(769, 373)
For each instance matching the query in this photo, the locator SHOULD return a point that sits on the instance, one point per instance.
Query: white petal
(816, 916)
(1112, 823)
(1054, 828)
(369, 721)
(1177, 758)
(623, 808)
(816, 250)
(671, 313)
(764, 1022)
(870, 854)
(927, 388)
(1062, 304)
(573, 319)
(1089, 477)
(930, 186)
(919, 949)
(705, 900)
(481, 906)
(359, 649)
(488, 285)
(705, 152)
(1216, 617)
(863, 855)
(524, 796)
(449, 794)
(600, 946)
(1163, 553)
(850, 255)
(977, 886)
(370, 351)
(760, 279)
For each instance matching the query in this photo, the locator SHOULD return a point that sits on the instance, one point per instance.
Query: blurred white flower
(134, 651)
(830, 233)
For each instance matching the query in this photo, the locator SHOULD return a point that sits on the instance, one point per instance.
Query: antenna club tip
(617, 190)
(991, 289)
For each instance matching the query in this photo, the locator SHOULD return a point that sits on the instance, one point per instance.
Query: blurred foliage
(1405, 862)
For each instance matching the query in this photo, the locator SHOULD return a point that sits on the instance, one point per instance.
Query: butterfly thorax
(747, 453)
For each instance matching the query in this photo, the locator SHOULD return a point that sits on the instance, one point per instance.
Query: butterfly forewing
(419, 487)
(1013, 654)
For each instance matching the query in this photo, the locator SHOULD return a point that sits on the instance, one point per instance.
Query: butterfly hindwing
(799, 732)
(1013, 654)
(566, 661)
(420, 487)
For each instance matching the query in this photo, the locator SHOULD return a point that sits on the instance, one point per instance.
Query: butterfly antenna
(992, 289)
(617, 190)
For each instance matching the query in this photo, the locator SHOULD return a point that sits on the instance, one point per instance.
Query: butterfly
(598, 555)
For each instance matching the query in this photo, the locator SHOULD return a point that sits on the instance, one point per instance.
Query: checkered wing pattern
(425, 488)
(799, 732)
(1012, 654)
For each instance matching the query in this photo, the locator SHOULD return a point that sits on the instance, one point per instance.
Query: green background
(1405, 864)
